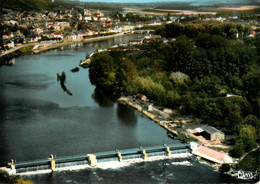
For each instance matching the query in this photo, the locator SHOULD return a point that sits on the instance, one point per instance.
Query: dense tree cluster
(130, 17)
(193, 29)
(250, 162)
(193, 76)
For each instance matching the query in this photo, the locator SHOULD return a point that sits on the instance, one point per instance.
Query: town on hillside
(19, 27)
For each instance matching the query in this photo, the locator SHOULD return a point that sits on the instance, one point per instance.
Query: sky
(193, 2)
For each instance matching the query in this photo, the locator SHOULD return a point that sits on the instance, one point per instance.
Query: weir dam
(91, 160)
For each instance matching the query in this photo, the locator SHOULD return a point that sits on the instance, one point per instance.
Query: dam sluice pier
(92, 160)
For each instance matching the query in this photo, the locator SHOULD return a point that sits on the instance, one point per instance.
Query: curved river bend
(37, 118)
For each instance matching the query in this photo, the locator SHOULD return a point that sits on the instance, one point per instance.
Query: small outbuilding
(210, 133)
(141, 97)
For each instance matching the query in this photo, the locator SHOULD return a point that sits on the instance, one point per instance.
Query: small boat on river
(76, 69)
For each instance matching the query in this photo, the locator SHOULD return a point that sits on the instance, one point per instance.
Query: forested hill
(35, 4)
(193, 75)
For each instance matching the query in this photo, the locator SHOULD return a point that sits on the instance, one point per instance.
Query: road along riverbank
(38, 48)
(144, 111)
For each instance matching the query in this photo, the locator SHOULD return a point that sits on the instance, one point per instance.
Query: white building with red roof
(58, 35)
(210, 154)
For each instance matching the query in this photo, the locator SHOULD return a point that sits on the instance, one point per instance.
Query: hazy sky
(193, 2)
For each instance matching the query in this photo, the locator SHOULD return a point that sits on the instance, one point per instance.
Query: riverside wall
(150, 115)
(50, 46)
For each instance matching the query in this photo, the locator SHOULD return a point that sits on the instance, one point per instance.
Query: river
(37, 118)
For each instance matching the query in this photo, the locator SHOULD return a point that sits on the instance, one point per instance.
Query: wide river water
(37, 118)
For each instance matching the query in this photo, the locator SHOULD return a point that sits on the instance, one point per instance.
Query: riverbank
(37, 48)
(151, 115)
(44, 47)
(143, 107)
(4, 59)
(6, 178)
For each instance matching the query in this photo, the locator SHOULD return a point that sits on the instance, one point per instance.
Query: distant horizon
(191, 2)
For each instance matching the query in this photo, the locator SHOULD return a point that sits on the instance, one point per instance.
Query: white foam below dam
(108, 164)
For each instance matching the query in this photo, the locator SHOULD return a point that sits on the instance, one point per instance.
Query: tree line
(193, 29)
(192, 76)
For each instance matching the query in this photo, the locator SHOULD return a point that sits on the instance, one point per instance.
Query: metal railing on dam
(51, 164)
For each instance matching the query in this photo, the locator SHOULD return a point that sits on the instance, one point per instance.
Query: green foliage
(248, 135)
(130, 17)
(5, 178)
(238, 150)
(101, 70)
(179, 78)
(251, 120)
(246, 139)
(192, 30)
(251, 85)
(224, 168)
(181, 58)
(152, 89)
(37, 4)
(250, 162)
(208, 41)
(25, 4)
(192, 76)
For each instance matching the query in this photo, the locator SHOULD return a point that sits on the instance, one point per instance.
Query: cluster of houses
(19, 27)
(148, 39)
(131, 45)
(28, 27)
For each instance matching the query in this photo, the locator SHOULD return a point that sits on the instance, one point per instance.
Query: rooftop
(210, 129)
(211, 153)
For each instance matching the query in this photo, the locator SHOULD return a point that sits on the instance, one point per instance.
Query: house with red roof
(149, 40)
(141, 97)
(58, 35)
(136, 42)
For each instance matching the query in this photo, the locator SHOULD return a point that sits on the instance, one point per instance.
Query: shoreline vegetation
(6, 178)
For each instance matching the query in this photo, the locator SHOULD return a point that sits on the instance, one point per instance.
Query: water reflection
(126, 114)
(101, 99)
(62, 79)
(58, 55)
(31, 81)
(10, 62)
(37, 117)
